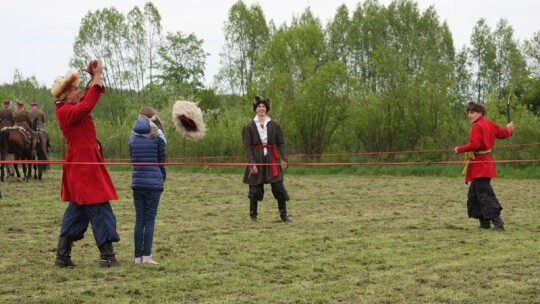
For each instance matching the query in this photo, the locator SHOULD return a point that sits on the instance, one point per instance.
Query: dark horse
(41, 154)
(15, 142)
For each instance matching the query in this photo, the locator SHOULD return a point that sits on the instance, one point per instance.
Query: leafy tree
(143, 40)
(531, 86)
(509, 64)
(102, 34)
(483, 55)
(182, 62)
(245, 32)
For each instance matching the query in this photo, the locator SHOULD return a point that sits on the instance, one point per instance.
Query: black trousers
(278, 190)
(482, 203)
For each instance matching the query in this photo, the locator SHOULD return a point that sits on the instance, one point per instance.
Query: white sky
(37, 36)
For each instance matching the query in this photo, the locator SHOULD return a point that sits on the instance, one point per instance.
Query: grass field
(354, 239)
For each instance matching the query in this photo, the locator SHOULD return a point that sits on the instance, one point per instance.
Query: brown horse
(41, 153)
(15, 141)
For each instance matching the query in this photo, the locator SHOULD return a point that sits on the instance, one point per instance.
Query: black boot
(484, 223)
(253, 209)
(107, 256)
(498, 224)
(63, 252)
(282, 206)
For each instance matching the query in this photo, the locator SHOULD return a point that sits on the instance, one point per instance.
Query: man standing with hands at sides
(87, 188)
(264, 144)
(481, 200)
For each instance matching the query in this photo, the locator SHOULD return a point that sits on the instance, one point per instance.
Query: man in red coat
(87, 187)
(480, 169)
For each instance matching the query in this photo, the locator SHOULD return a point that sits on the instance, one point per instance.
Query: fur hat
(7, 102)
(20, 103)
(258, 100)
(188, 120)
(63, 84)
(152, 115)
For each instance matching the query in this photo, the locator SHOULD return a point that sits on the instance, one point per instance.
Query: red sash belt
(275, 156)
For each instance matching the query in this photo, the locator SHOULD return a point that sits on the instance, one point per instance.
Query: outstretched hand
(94, 66)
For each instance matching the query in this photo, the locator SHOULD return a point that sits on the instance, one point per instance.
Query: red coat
(482, 138)
(83, 184)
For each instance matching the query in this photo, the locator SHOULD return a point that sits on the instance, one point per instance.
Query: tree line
(374, 78)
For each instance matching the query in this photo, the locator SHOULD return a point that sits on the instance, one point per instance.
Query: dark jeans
(146, 205)
(77, 217)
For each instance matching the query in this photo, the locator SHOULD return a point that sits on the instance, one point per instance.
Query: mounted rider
(6, 115)
(23, 121)
(6, 122)
(38, 122)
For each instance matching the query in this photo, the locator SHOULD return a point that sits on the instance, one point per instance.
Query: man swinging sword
(482, 203)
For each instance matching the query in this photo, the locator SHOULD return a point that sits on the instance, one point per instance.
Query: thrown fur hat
(188, 120)
(152, 115)
(63, 84)
(258, 100)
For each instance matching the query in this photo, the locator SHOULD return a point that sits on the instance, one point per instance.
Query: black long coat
(251, 138)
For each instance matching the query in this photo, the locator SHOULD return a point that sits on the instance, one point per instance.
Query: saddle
(27, 135)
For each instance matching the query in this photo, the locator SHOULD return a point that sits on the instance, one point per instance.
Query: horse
(15, 141)
(41, 154)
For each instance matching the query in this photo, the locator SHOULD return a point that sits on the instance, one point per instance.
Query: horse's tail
(42, 155)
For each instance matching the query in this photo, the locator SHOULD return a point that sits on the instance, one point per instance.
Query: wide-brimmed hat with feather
(63, 84)
(188, 120)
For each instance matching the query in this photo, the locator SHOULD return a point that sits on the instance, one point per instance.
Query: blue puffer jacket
(144, 148)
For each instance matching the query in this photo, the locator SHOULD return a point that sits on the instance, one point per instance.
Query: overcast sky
(37, 36)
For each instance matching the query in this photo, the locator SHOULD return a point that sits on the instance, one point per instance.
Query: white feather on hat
(62, 84)
(188, 120)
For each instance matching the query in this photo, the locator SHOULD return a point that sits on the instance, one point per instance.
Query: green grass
(354, 239)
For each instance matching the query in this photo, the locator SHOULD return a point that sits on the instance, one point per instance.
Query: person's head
(20, 104)
(33, 105)
(7, 103)
(475, 110)
(152, 115)
(261, 106)
(66, 88)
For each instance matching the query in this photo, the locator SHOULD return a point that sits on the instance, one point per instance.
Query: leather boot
(282, 206)
(484, 223)
(253, 209)
(63, 252)
(498, 224)
(107, 256)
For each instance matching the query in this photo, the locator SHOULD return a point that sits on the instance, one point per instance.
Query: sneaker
(484, 227)
(284, 218)
(138, 260)
(253, 218)
(147, 259)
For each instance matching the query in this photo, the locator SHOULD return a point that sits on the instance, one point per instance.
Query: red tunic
(482, 138)
(83, 184)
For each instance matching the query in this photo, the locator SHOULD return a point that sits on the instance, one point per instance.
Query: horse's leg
(28, 169)
(16, 167)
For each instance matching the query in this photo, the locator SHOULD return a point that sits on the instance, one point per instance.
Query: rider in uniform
(22, 119)
(37, 117)
(7, 121)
